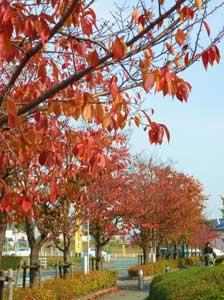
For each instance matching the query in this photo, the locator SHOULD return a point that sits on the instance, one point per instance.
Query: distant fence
(127, 255)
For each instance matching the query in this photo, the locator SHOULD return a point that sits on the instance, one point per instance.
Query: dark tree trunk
(175, 251)
(183, 250)
(34, 265)
(35, 246)
(146, 251)
(66, 249)
(158, 254)
(187, 247)
(99, 250)
(66, 255)
(3, 225)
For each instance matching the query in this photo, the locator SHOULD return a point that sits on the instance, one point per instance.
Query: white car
(92, 253)
(22, 252)
(8, 253)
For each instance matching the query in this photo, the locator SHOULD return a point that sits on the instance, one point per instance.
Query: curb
(99, 294)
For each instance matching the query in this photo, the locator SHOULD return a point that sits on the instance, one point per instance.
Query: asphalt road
(119, 264)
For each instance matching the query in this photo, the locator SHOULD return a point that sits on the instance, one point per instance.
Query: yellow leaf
(137, 121)
(198, 4)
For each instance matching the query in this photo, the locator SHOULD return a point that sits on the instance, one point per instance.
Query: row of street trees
(103, 184)
(63, 69)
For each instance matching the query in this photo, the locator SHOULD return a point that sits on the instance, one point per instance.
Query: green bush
(153, 268)
(158, 268)
(10, 262)
(196, 283)
(189, 261)
(70, 288)
(219, 260)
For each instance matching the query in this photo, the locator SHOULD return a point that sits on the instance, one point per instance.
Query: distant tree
(166, 205)
(222, 209)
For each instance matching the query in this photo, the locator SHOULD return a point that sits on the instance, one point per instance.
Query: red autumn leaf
(86, 26)
(183, 90)
(135, 15)
(148, 81)
(5, 203)
(207, 27)
(53, 194)
(42, 72)
(43, 30)
(166, 130)
(43, 157)
(217, 54)
(180, 37)
(211, 55)
(156, 134)
(93, 58)
(186, 59)
(170, 48)
(101, 160)
(26, 204)
(141, 22)
(13, 120)
(119, 48)
(205, 59)
(113, 87)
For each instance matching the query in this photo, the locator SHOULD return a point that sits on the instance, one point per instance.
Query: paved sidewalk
(129, 291)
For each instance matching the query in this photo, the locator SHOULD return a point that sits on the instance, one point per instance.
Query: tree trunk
(34, 265)
(99, 249)
(158, 253)
(175, 251)
(183, 250)
(66, 255)
(3, 226)
(146, 251)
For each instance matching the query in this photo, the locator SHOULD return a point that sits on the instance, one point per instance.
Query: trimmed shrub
(158, 268)
(153, 268)
(10, 262)
(189, 261)
(64, 289)
(219, 260)
(198, 283)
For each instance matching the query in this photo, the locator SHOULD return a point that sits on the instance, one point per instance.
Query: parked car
(22, 252)
(92, 253)
(9, 253)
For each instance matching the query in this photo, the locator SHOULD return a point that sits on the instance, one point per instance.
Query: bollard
(85, 264)
(24, 275)
(2, 280)
(167, 269)
(10, 284)
(140, 280)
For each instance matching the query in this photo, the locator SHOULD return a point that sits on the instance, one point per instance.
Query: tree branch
(35, 49)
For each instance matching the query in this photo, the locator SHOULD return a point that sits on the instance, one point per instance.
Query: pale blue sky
(197, 127)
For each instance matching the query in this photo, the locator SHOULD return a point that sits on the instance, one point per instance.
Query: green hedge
(10, 262)
(71, 288)
(219, 260)
(196, 283)
(158, 268)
